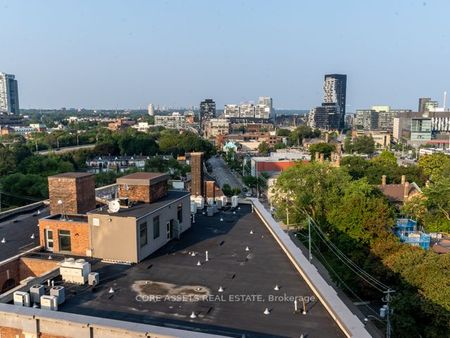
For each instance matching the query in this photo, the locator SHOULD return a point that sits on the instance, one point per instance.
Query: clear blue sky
(126, 54)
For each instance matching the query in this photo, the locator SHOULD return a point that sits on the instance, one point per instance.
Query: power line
(341, 280)
(347, 261)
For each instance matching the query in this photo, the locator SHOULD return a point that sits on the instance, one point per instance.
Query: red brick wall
(210, 189)
(158, 190)
(79, 234)
(23, 267)
(197, 174)
(135, 193)
(78, 194)
(9, 270)
(35, 266)
(85, 194)
(143, 193)
(8, 332)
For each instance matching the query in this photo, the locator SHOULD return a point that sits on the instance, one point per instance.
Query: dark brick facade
(75, 190)
(197, 174)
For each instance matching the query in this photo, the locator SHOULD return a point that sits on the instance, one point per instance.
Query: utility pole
(309, 238)
(387, 299)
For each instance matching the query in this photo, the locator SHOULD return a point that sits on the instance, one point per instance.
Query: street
(66, 149)
(223, 174)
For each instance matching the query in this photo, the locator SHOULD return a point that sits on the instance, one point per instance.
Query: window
(64, 240)
(143, 234)
(180, 213)
(155, 227)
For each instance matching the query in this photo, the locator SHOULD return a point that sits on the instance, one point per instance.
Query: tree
(356, 166)
(363, 213)
(7, 160)
(308, 189)
(322, 148)
(226, 189)
(386, 158)
(264, 148)
(107, 148)
(283, 132)
(435, 165)
(302, 132)
(364, 145)
(25, 185)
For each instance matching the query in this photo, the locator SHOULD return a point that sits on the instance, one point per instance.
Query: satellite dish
(113, 206)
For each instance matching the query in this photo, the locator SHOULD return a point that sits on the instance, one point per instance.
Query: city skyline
(109, 55)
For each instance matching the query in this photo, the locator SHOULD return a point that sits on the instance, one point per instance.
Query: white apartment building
(247, 110)
(231, 110)
(215, 127)
(173, 121)
(262, 111)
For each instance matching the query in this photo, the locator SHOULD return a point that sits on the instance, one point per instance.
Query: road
(66, 149)
(223, 174)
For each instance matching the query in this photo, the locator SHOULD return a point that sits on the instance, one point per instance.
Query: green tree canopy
(322, 148)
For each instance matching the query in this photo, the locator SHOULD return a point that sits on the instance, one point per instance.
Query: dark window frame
(156, 229)
(143, 234)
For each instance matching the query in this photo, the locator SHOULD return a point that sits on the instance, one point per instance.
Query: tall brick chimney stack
(197, 174)
(403, 179)
(406, 191)
(71, 193)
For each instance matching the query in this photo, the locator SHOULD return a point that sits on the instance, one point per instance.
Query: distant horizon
(116, 54)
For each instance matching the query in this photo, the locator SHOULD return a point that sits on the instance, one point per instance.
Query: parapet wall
(344, 318)
(17, 321)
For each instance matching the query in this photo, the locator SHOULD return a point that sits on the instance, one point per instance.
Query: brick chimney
(71, 193)
(406, 191)
(403, 179)
(338, 161)
(383, 180)
(197, 174)
(143, 187)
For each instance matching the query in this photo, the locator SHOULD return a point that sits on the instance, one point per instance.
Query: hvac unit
(200, 201)
(59, 292)
(193, 207)
(219, 203)
(210, 211)
(234, 201)
(93, 278)
(75, 271)
(21, 298)
(36, 291)
(49, 303)
(224, 200)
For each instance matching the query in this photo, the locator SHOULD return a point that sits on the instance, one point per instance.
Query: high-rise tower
(9, 94)
(335, 91)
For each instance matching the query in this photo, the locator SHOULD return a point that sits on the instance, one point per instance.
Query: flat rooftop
(248, 279)
(142, 178)
(142, 209)
(17, 231)
(69, 218)
(72, 175)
